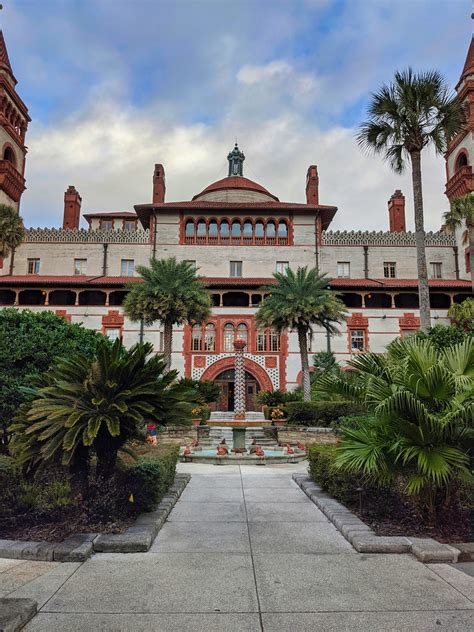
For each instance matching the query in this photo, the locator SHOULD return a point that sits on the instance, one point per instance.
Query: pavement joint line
(225, 612)
(448, 582)
(59, 587)
(251, 553)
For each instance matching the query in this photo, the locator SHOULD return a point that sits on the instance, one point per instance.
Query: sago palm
(12, 232)
(84, 405)
(423, 402)
(415, 111)
(461, 215)
(298, 301)
(462, 314)
(171, 293)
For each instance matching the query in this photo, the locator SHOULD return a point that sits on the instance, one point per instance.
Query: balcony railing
(460, 183)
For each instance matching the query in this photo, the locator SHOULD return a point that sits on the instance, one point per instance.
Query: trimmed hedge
(338, 484)
(320, 414)
(10, 480)
(150, 477)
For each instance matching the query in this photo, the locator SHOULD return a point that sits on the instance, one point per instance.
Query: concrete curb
(80, 546)
(15, 613)
(363, 538)
(139, 537)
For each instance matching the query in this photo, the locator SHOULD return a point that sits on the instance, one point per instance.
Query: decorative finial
(236, 161)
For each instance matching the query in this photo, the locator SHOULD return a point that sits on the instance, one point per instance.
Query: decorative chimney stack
(396, 212)
(159, 185)
(72, 208)
(312, 185)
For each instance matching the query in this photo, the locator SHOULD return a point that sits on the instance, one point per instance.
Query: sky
(115, 86)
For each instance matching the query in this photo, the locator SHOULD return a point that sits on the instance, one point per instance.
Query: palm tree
(83, 405)
(461, 215)
(171, 293)
(297, 301)
(423, 405)
(404, 117)
(12, 232)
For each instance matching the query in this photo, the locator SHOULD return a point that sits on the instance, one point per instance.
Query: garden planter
(280, 423)
(196, 422)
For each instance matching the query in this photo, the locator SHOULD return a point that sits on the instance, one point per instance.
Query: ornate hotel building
(238, 234)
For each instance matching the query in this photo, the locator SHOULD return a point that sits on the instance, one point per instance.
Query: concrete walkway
(245, 550)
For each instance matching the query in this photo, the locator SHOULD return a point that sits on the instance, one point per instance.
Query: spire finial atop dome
(236, 161)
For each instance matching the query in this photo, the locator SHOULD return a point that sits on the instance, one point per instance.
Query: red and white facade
(238, 234)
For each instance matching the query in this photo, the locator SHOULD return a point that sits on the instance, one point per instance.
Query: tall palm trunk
(423, 290)
(471, 255)
(303, 343)
(12, 261)
(167, 343)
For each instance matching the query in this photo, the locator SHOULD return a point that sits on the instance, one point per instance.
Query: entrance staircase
(226, 418)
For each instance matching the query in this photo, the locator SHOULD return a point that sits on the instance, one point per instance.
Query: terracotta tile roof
(97, 281)
(235, 182)
(389, 283)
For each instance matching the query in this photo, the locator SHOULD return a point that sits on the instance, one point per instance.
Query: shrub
(10, 479)
(149, 478)
(319, 413)
(351, 422)
(57, 494)
(271, 398)
(337, 483)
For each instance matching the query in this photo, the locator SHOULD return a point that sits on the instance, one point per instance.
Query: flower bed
(50, 508)
(387, 510)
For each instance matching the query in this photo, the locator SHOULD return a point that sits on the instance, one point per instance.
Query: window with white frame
(357, 337)
(268, 340)
(106, 224)
(229, 335)
(210, 337)
(343, 269)
(389, 269)
(436, 270)
(33, 266)
(197, 338)
(236, 269)
(80, 266)
(113, 333)
(127, 267)
(281, 266)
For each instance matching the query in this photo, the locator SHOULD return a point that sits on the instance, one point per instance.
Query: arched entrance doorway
(225, 380)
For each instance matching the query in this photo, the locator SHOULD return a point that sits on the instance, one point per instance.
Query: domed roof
(229, 188)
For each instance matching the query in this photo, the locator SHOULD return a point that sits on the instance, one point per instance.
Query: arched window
(236, 229)
(271, 230)
(282, 229)
(248, 229)
(259, 229)
(242, 332)
(210, 337)
(201, 228)
(213, 229)
(229, 333)
(268, 340)
(461, 160)
(189, 231)
(225, 231)
(9, 155)
(197, 338)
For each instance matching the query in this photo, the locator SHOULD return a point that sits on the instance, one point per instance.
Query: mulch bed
(43, 526)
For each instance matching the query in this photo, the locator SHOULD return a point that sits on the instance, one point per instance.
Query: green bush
(337, 483)
(10, 479)
(320, 414)
(149, 478)
(351, 422)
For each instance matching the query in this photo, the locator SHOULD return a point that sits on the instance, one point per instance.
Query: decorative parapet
(68, 235)
(383, 238)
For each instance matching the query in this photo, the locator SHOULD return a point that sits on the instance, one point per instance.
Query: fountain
(242, 439)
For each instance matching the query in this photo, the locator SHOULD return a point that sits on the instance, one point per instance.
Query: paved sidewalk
(245, 550)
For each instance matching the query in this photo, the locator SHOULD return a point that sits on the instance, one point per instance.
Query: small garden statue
(151, 433)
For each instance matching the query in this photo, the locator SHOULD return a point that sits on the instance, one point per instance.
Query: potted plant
(278, 417)
(196, 413)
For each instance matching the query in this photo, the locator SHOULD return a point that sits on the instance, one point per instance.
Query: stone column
(239, 380)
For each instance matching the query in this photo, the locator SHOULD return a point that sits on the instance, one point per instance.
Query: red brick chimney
(159, 185)
(396, 212)
(312, 185)
(72, 208)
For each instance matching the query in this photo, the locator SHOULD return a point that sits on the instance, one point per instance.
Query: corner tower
(460, 154)
(14, 121)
